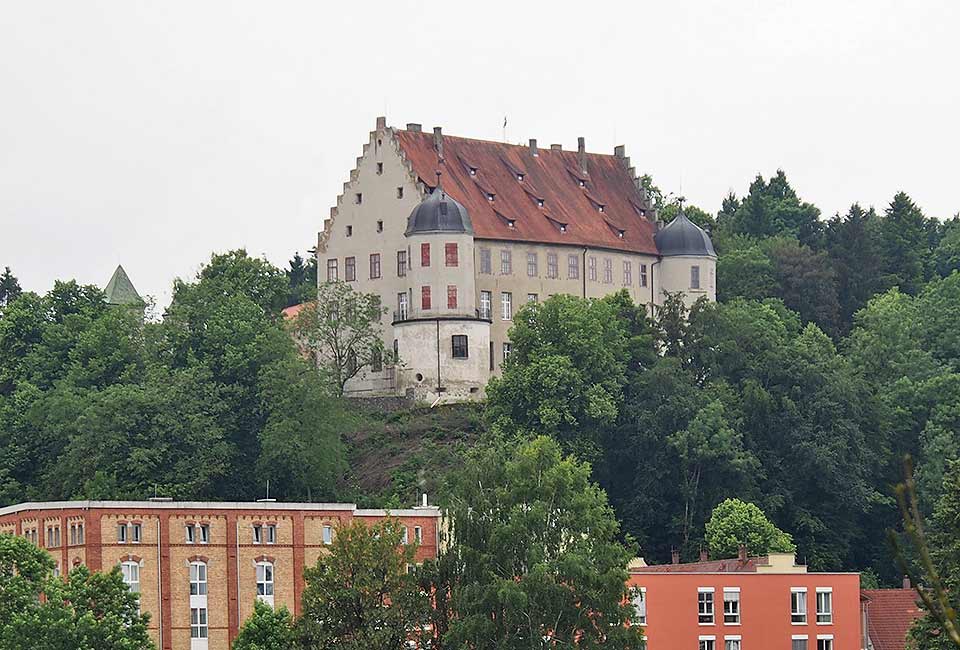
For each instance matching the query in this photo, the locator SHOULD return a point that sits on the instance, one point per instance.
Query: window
(705, 605)
(592, 267)
(190, 533)
(404, 539)
(506, 262)
(532, 297)
(401, 264)
(694, 277)
(79, 533)
(532, 264)
(374, 266)
(506, 305)
(332, 270)
(627, 273)
(379, 168)
(358, 198)
(486, 301)
(798, 605)
(198, 579)
(328, 535)
(424, 254)
(402, 306)
(640, 604)
(198, 622)
(451, 296)
(130, 571)
(507, 349)
(122, 534)
(271, 533)
(824, 605)
(264, 579)
(825, 642)
(425, 298)
(731, 643)
(349, 231)
(350, 269)
(459, 342)
(451, 254)
(73, 534)
(257, 534)
(379, 225)
(56, 536)
(707, 643)
(485, 266)
(376, 359)
(643, 275)
(136, 532)
(399, 192)
(798, 642)
(731, 605)
(573, 267)
(204, 533)
(418, 535)
(552, 267)
(607, 270)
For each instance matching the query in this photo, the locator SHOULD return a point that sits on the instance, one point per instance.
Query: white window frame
(122, 533)
(798, 596)
(702, 602)
(506, 262)
(418, 535)
(198, 624)
(639, 602)
(266, 580)
(403, 306)
(486, 305)
(204, 533)
(198, 578)
(827, 614)
(506, 305)
(404, 538)
(327, 534)
(130, 572)
(257, 534)
(800, 637)
(707, 642)
(136, 532)
(190, 532)
(734, 610)
(507, 350)
(271, 530)
(825, 646)
(732, 639)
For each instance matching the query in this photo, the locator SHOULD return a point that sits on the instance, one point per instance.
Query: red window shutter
(424, 254)
(425, 295)
(451, 296)
(451, 254)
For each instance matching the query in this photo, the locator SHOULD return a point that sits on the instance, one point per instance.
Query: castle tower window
(695, 277)
(380, 225)
(401, 264)
(533, 263)
(451, 296)
(552, 267)
(459, 344)
(425, 298)
(332, 275)
(350, 269)
(402, 306)
(451, 254)
(486, 300)
(374, 266)
(424, 254)
(485, 265)
(358, 198)
(400, 192)
(573, 267)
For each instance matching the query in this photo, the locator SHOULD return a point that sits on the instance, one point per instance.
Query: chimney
(675, 556)
(413, 126)
(704, 555)
(582, 154)
(906, 582)
(424, 499)
(533, 146)
(556, 147)
(438, 141)
(742, 553)
(381, 123)
(620, 151)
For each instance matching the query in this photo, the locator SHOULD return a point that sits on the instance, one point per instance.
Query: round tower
(688, 261)
(442, 343)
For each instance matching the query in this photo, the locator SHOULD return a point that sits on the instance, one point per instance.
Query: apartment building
(200, 566)
(746, 603)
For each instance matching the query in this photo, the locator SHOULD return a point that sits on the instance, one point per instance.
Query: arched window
(198, 579)
(265, 579)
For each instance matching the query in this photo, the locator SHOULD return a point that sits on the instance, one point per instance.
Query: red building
(746, 603)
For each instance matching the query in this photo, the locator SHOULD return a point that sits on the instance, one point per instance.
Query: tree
(904, 243)
(745, 273)
(302, 279)
(772, 209)
(9, 287)
(947, 253)
(342, 331)
(360, 595)
(735, 522)
(537, 557)
(83, 611)
(266, 629)
(806, 282)
(853, 244)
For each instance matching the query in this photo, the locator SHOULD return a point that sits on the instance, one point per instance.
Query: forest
(832, 353)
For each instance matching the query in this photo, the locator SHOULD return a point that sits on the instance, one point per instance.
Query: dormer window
(582, 182)
(600, 208)
(520, 177)
(620, 234)
(539, 203)
(563, 227)
(490, 196)
(511, 224)
(473, 171)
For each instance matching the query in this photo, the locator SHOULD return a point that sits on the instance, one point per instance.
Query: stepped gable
(556, 197)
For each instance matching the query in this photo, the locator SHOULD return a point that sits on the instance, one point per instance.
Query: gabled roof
(511, 194)
(890, 613)
(120, 290)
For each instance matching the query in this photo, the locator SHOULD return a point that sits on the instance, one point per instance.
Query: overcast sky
(153, 133)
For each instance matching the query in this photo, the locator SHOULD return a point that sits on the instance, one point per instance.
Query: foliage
(745, 273)
(302, 278)
(360, 594)
(806, 282)
(947, 253)
(9, 287)
(735, 522)
(342, 331)
(905, 245)
(772, 208)
(266, 629)
(83, 611)
(536, 555)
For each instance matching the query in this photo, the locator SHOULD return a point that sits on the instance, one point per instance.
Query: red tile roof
(890, 613)
(474, 170)
(292, 311)
(734, 565)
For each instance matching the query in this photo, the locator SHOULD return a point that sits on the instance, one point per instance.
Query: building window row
(129, 532)
(76, 534)
(802, 642)
(707, 642)
(53, 536)
(264, 533)
(197, 533)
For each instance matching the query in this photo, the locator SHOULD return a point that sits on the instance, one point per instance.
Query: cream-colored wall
(438, 276)
(674, 276)
(461, 378)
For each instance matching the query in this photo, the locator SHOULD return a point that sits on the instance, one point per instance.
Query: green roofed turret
(120, 290)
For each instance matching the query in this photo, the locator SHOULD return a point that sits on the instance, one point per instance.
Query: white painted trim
(705, 590)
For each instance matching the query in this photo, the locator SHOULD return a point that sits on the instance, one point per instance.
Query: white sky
(153, 133)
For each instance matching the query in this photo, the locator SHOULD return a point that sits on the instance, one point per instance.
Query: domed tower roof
(438, 213)
(683, 237)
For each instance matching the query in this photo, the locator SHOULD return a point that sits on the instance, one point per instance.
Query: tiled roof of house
(890, 613)
(510, 194)
(293, 310)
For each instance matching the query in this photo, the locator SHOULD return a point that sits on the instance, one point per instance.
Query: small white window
(506, 305)
(640, 604)
(486, 300)
(198, 622)
(265, 581)
(708, 643)
(798, 642)
(731, 643)
(328, 535)
(136, 532)
(705, 605)
(418, 534)
(403, 537)
(131, 576)
(731, 605)
(824, 605)
(507, 349)
(190, 531)
(271, 533)
(257, 534)
(121, 533)
(204, 533)
(798, 605)
(198, 579)
(532, 297)
(824, 642)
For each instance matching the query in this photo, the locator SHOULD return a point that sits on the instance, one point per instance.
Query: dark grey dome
(683, 237)
(438, 213)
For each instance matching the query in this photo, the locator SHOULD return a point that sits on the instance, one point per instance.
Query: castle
(455, 234)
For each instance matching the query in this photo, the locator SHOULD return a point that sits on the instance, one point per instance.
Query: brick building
(746, 603)
(199, 567)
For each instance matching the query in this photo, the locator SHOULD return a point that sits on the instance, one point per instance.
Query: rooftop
(423, 511)
(120, 290)
(890, 613)
(772, 563)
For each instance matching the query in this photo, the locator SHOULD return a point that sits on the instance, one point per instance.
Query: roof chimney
(533, 146)
(381, 123)
(413, 126)
(675, 556)
(906, 582)
(556, 147)
(582, 154)
(704, 555)
(438, 141)
(620, 151)
(742, 553)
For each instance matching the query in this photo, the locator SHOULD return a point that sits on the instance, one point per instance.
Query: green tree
(745, 273)
(266, 629)
(735, 522)
(361, 595)
(905, 245)
(772, 208)
(536, 554)
(302, 278)
(854, 246)
(343, 332)
(9, 287)
(947, 253)
(806, 282)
